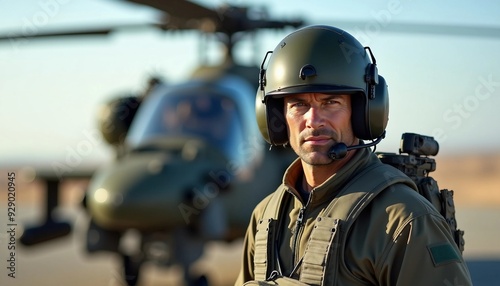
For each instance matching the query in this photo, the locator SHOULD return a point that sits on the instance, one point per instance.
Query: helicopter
(190, 162)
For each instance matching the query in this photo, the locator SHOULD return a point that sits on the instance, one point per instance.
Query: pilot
(340, 216)
(200, 116)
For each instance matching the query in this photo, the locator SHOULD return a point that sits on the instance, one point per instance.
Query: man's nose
(314, 117)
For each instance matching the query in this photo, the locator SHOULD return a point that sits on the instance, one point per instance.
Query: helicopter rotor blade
(451, 30)
(98, 31)
(227, 19)
(180, 8)
(50, 34)
(419, 28)
(185, 15)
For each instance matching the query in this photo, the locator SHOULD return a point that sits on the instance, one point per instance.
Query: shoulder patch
(443, 253)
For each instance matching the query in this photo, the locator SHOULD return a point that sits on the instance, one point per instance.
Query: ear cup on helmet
(370, 116)
(276, 122)
(261, 115)
(271, 119)
(378, 109)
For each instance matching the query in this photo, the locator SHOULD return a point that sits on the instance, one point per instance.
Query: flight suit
(398, 239)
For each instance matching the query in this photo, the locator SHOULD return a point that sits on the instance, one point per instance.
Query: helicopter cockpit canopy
(219, 114)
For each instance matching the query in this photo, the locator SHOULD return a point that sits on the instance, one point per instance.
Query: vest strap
(265, 237)
(326, 243)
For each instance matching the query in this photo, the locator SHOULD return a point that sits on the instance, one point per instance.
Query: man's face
(316, 122)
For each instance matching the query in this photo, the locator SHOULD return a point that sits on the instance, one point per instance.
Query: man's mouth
(317, 140)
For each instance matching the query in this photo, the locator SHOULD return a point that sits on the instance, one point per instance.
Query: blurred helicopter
(190, 162)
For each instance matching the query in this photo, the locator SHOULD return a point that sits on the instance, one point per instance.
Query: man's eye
(298, 104)
(330, 102)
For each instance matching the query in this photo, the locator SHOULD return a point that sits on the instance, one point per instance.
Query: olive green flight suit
(398, 239)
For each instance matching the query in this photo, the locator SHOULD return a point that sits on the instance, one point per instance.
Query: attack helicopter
(190, 162)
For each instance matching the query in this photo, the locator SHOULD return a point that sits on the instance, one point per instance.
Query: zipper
(298, 230)
(273, 276)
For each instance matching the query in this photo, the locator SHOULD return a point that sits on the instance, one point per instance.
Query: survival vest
(326, 243)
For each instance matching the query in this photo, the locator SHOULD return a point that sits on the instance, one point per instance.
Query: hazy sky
(441, 85)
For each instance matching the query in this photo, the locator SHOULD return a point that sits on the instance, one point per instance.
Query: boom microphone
(339, 150)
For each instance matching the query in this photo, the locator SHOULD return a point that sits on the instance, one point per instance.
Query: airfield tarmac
(63, 261)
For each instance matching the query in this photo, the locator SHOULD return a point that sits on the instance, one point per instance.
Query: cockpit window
(210, 116)
(207, 117)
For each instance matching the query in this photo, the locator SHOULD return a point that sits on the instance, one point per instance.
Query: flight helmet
(321, 59)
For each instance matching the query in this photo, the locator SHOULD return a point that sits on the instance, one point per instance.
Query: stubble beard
(316, 155)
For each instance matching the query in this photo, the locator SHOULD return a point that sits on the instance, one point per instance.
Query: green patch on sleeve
(443, 253)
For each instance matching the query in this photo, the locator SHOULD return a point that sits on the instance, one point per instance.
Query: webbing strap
(318, 248)
(328, 237)
(265, 236)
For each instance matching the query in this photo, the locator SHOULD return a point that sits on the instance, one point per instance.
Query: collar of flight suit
(332, 186)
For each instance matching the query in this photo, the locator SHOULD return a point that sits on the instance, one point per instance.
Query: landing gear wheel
(131, 267)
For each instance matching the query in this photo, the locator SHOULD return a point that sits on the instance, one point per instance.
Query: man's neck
(315, 175)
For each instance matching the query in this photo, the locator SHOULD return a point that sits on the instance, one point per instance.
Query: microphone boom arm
(339, 150)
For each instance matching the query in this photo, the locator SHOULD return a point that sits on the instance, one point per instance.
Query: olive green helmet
(321, 59)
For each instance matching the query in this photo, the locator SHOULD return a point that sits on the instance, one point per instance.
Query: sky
(445, 86)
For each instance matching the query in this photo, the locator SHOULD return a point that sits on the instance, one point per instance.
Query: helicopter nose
(103, 196)
(147, 191)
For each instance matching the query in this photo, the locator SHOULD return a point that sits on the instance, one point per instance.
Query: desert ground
(475, 180)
